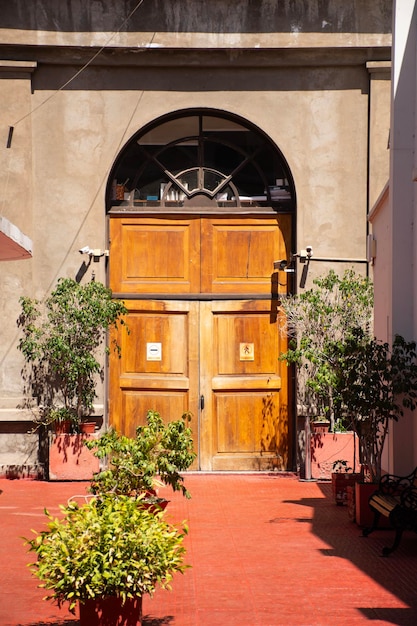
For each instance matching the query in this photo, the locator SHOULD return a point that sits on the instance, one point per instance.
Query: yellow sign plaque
(247, 352)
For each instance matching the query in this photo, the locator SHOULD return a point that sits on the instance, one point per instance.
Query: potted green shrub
(315, 320)
(104, 556)
(159, 452)
(60, 343)
(376, 382)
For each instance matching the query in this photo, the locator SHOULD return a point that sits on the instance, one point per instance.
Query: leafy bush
(106, 547)
(316, 320)
(159, 449)
(60, 341)
(375, 383)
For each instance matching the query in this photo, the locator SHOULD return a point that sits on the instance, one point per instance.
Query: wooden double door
(204, 333)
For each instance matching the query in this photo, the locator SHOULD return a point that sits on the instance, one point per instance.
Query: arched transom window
(201, 159)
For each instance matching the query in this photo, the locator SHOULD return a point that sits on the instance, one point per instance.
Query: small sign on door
(154, 351)
(247, 352)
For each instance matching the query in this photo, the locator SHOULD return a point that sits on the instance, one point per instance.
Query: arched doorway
(200, 205)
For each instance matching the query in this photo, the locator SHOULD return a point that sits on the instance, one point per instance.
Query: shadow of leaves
(147, 620)
(65, 622)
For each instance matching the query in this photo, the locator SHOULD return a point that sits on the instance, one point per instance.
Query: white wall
(400, 245)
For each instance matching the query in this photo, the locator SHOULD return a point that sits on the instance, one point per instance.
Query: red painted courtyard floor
(265, 550)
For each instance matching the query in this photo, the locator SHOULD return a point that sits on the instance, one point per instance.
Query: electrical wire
(135, 108)
(70, 80)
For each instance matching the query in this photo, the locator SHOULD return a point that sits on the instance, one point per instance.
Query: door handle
(201, 402)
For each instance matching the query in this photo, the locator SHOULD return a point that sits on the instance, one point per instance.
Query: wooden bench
(396, 499)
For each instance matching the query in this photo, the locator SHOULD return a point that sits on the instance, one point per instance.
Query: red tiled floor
(265, 550)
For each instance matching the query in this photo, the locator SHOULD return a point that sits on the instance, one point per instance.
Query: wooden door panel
(238, 254)
(235, 428)
(247, 422)
(241, 338)
(246, 426)
(169, 334)
(135, 403)
(149, 255)
(165, 380)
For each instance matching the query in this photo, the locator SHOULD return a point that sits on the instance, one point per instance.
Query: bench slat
(383, 504)
(396, 499)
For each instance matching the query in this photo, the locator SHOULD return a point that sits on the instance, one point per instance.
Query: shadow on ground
(398, 617)
(147, 620)
(396, 573)
(65, 622)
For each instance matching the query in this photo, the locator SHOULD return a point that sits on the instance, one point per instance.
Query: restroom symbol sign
(153, 351)
(247, 351)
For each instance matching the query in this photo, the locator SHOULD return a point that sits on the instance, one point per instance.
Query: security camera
(309, 251)
(85, 250)
(280, 265)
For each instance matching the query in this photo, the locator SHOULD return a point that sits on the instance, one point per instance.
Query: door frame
(205, 457)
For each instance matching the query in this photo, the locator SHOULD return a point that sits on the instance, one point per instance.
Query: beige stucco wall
(382, 265)
(379, 128)
(317, 117)
(306, 85)
(188, 24)
(16, 205)
(379, 222)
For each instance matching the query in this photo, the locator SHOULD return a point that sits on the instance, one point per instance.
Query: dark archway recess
(201, 158)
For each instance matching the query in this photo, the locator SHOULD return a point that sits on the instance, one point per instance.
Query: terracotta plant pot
(152, 502)
(88, 427)
(62, 427)
(110, 612)
(155, 504)
(357, 502)
(363, 513)
(320, 426)
(350, 491)
(340, 483)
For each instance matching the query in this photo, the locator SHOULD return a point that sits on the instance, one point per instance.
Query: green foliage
(375, 383)
(316, 320)
(107, 547)
(60, 341)
(340, 466)
(159, 449)
(359, 382)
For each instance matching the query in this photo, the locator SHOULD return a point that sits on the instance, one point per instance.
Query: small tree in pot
(105, 555)
(60, 342)
(134, 464)
(375, 383)
(315, 321)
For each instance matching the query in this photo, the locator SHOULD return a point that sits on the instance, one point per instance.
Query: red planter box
(363, 513)
(326, 448)
(359, 510)
(69, 459)
(340, 483)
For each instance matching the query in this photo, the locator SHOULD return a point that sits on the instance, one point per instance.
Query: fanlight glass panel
(189, 180)
(229, 162)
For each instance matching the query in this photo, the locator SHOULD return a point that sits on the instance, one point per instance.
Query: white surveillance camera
(85, 250)
(309, 250)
